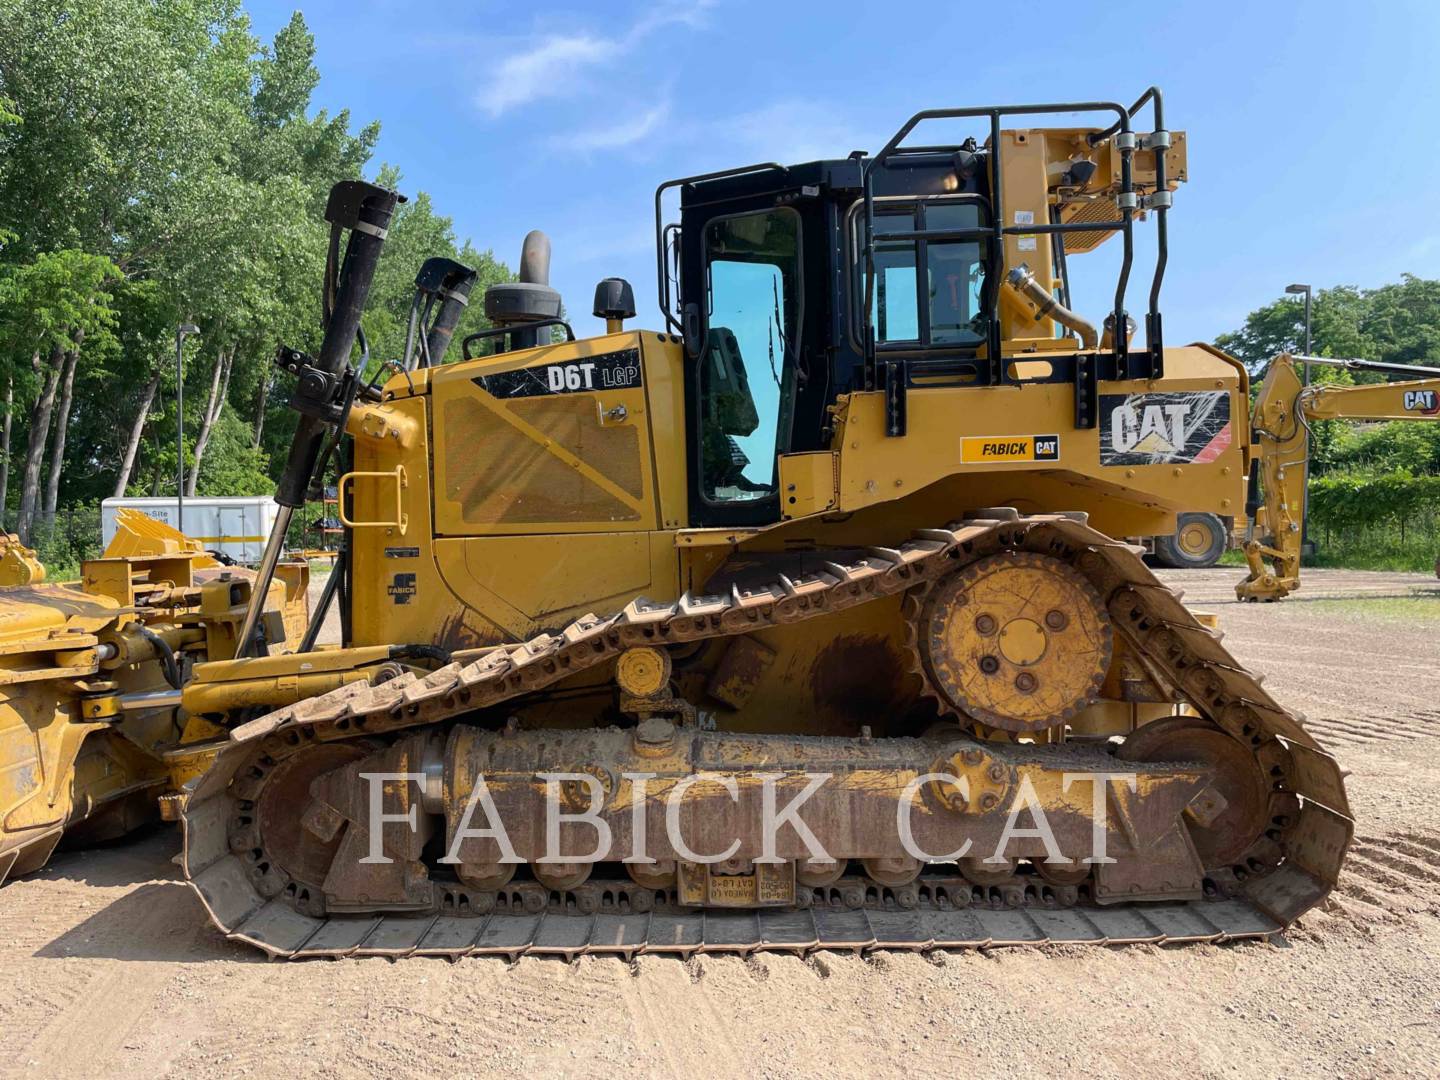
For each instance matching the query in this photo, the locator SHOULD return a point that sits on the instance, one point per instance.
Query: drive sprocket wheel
(1018, 641)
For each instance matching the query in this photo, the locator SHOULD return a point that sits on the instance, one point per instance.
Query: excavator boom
(1280, 422)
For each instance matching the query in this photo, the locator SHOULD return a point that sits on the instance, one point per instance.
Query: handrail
(1126, 144)
(662, 281)
(401, 520)
(500, 331)
(1160, 143)
(998, 229)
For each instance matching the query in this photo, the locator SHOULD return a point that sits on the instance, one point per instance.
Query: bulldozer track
(1288, 870)
(1397, 862)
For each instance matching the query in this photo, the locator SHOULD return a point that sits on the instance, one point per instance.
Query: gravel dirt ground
(108, 966)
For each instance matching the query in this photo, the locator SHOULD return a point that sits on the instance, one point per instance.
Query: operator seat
(727, 409)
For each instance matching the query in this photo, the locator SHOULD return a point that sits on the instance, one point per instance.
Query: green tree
(48, 309)
(417, 234)
(159, 164)
(1397, 323)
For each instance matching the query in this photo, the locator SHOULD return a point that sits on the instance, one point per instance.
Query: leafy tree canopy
(161, 164)
(1398, 323)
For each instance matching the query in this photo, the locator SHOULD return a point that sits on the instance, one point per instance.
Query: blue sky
(1311, 126)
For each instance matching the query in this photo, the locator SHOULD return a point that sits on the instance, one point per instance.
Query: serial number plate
(732, 890)
(769, 884)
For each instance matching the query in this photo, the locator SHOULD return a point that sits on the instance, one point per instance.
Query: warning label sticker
(1180, 427)
(1026, 241)
(997, 449)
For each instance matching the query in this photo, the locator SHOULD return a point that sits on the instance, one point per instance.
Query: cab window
(747, 367)
(895, 311)
(926, 292)
(955, 272)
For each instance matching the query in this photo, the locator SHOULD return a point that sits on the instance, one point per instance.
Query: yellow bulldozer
(795, 623)
(93, 742)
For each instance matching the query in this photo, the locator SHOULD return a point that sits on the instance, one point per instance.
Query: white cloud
(676, 12)
(617, 136)
(562, 66)
(551, 69)
(797, 130)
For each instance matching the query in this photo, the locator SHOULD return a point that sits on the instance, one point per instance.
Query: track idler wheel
(1074, 872)
(893, 871)
(1227, 817)
(486, 877)
(983, 872)
(819, 875)
(1018, 641)
(657, 875)
(299, 853)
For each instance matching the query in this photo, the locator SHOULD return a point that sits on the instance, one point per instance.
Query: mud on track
(108, 965)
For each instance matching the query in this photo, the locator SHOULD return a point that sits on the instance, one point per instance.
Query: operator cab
(769, 258)
(794, 285)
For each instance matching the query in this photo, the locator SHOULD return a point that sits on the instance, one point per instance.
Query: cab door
(741, 279)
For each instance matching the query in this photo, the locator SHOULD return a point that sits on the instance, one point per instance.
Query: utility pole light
(1299, 290)
(183, 331)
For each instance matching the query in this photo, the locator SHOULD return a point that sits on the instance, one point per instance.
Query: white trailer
(235, 526)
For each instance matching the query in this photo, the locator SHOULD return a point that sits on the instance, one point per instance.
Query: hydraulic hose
(420, 652)
(166, 654)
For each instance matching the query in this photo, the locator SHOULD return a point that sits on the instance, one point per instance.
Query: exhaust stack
(535, 258)
(520, 305)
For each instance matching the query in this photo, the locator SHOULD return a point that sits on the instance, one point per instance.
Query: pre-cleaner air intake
(365, 210)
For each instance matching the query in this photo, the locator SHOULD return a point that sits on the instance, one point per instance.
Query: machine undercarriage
(1236, 822)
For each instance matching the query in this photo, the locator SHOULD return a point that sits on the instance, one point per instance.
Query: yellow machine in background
(1282, 415)
(849, 512)
(91, 731)
(19, 565)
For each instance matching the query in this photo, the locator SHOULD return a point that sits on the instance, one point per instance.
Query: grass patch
(1407, 609)
(1365, 550)
(1378, 553)
(1369, 537)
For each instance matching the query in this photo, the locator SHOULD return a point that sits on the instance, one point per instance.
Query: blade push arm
(1281, 421)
